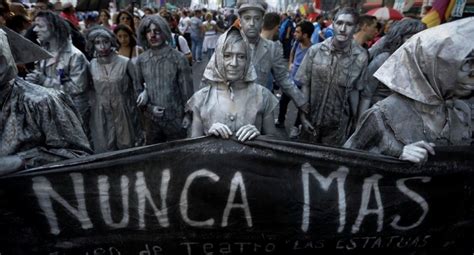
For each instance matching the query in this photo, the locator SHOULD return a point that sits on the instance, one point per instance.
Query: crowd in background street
(195, 32)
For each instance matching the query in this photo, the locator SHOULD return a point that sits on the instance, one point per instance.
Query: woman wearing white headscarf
(232, 102)
(428, 74)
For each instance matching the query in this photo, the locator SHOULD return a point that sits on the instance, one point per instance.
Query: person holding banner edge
(37, 125)
(425, 109)
(232, 103)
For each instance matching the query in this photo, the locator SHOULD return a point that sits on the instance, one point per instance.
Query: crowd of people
(114, 85)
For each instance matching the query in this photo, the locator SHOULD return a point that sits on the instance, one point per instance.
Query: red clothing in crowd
(71, 17)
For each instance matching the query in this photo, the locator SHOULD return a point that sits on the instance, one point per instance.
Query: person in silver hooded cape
(428, 75)
(232, 103)
(38, 125)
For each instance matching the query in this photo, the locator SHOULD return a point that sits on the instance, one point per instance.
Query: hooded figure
(232, 102)
(114, 115)
(427, 75)
(37, 125)
(399, 32)
(68, 70)
(169, 85)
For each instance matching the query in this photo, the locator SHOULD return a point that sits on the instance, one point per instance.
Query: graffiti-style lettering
(183, 202)
(415, 197)
(104, 188)
(144, 195)
(370, 183)
(237, 183)
(45, 194)
(340, 175)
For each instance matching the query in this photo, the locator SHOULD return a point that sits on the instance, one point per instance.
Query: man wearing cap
(267, 56)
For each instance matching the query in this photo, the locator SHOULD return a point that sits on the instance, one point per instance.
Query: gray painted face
(344, 28)
(465, 77)
(103, 46)
(42, 30)
(154, 36)
(235, 61)
(251, 22)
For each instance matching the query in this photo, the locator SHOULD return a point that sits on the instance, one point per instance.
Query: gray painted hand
(186, 121)
(35, 77)
(142, 98)
(9, 164)
(247, 132)
(219, 129)
(307, 124)
(417, 152)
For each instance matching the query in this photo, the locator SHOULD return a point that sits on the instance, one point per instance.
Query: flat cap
(243, 5)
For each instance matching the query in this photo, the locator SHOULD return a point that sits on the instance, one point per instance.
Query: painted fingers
(307, 124)
(35, 77)
(142, 98)
(9, 164)
(219, 129)
(247, 132)
(417, 152)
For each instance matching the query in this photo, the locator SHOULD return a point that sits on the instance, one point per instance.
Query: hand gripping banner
(215, 196)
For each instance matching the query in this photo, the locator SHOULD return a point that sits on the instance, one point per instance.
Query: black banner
(215, 196)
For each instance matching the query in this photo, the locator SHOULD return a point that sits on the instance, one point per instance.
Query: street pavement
(198, 70)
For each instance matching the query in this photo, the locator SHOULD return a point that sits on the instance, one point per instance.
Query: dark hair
(129, 31)
(145, 24)
(4, 8)
(148, 9)
(270, 20)
(18, 23)
(350, 11)
(394, 37)
(120, 14)
(106, 12)
(379, 26)
(60, 29)
(68, 9)
(306, 28)
(366, 20)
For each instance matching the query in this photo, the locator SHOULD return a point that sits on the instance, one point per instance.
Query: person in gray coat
(165, 75)
(267, 56)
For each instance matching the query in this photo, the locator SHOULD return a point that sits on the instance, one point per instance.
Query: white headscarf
(215, 70)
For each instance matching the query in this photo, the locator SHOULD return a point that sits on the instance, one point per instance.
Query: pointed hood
(15, 49)
(215, 69)
(425, 67)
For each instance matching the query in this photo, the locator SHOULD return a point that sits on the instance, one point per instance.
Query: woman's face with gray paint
(465, 77)
(42, 30)
(154, 36)
(235, 59)
(103, 46)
